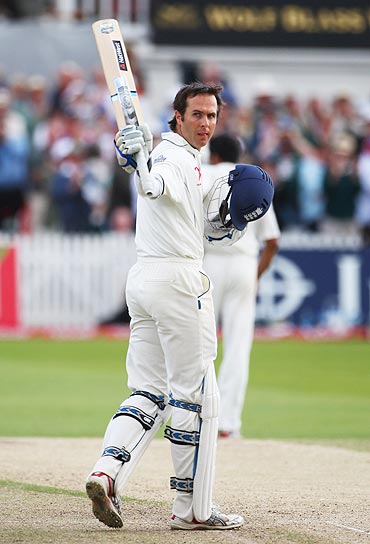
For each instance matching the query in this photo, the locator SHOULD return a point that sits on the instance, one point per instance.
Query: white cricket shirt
(172, 224)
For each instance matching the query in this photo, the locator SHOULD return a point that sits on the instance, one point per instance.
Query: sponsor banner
(301, 23)
(327, 288)
(8, 288)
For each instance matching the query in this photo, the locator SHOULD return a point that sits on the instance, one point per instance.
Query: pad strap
(186, 438)
(182, 484)
(132, 411)
(121, 454)
(158, 400)
(184, 405)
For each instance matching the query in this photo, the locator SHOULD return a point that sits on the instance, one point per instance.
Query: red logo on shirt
(199, 175)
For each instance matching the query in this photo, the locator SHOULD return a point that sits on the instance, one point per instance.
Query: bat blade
(118, 73)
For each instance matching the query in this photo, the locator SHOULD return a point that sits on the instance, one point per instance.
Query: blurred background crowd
(58, 169)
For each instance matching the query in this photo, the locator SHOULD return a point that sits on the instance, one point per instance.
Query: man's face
(199, 122)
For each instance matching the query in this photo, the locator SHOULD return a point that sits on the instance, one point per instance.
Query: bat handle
(143, 172)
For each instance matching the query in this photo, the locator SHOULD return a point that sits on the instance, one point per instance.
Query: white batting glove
(128, 142)
(126, 162)
(133, 145)
(148, 137)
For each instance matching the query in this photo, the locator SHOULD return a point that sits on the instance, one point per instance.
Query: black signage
(300, 23)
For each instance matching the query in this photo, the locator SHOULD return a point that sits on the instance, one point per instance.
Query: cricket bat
(118, 73)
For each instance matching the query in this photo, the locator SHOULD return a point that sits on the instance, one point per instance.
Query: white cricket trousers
(172, 343)
(234, 279)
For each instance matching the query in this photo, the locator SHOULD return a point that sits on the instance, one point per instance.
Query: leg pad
(186, 438)
(182, 484)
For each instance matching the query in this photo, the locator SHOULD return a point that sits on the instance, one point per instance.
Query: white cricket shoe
(218, 520)
(106, 505)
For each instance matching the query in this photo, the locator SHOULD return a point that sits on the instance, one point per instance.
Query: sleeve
(267, 227)
(172, 177)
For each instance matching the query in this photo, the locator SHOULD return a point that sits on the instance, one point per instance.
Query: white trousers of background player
(234, 278)
(172, 347)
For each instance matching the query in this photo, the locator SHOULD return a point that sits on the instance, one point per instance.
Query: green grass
(50, 490)
(297, 389)
(41, 488)
(60, 388)
(309, 390)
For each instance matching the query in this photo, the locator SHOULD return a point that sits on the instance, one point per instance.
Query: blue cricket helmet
(252, 191)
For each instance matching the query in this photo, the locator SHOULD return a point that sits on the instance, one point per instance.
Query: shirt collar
(180, 142)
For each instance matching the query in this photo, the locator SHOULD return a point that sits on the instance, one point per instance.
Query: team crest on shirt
(160, 158)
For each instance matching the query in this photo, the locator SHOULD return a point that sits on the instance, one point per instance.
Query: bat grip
(143, 172)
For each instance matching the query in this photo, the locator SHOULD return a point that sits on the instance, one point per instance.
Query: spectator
(234, 271)
(19, 98)
(68, 74)
(14, 165)
(341, 186)
(100, 99)
(79, 187)
(38, 99)
(310, 180)
(362, 213)
(283, 169)
(39, 194)
(120, 209)
(345, 119)
(46, 133)
(264, 144)
(316, 121)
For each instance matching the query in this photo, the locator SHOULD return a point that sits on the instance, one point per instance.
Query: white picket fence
(75, 282)
(71, 281)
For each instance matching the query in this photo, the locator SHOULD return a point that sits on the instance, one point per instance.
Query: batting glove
(148, 137)
(133, 145)
(128, 142)
(126, 162)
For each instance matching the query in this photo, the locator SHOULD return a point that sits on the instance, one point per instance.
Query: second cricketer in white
(234, 272)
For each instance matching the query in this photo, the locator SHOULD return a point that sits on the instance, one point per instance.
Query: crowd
(58, 169)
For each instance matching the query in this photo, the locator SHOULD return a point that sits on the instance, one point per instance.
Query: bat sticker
(106, 28)
(120, 56)
(125, 98)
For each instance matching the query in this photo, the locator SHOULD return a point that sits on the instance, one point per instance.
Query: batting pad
(129, 426)
(127, 468)
(206, 451)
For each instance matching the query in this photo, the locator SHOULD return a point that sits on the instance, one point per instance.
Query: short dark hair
(190, 90)
(227, 147)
